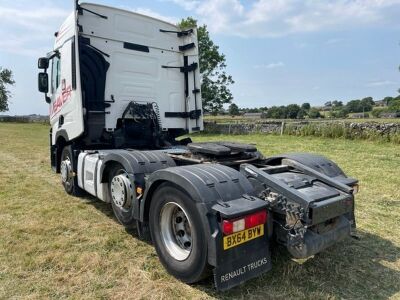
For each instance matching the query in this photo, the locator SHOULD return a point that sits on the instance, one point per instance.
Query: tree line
(291, 111)
(334, 109)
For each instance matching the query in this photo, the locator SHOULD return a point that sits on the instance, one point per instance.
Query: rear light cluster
(246, 222)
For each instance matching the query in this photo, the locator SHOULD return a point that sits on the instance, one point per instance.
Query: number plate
(244, 236)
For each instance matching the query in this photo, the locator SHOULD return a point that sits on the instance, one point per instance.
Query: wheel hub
(176, 231)
(66, 171)
(121, 191)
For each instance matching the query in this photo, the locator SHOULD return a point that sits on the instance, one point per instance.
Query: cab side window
(55, 74)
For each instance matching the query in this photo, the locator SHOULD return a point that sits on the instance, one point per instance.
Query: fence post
(282, 127)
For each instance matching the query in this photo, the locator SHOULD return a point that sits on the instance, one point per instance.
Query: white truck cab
(111, 74)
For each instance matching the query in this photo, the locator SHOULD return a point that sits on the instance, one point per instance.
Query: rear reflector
(246, 222)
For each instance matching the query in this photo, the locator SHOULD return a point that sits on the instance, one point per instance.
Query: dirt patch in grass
(56, 246)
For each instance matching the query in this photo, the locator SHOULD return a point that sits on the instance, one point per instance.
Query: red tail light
(227, 227)
(246, 222)
(256, 219)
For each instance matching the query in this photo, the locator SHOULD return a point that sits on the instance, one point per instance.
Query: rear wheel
(122, 192)
(177, 234)
(68, 177)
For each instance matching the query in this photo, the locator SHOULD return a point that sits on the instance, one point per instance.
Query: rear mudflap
(240, 260)
(241, 263)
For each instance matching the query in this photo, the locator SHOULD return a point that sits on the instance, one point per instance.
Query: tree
(253, 110)
(387, 100)
(368, 101)
(215, 83)
(6, 78)
(340, 113)
(292, 111)
(394, 105)
(314, 113)
(376, 113)
(337, 104)
(276, 112)
(306, 106)
(301, 114)
(356, 106)
(234, 110)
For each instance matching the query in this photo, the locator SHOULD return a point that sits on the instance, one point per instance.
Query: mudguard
(318, 163)
(137, 164)
(219, 192)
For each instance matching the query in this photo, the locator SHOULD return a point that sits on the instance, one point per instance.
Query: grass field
(56, 246)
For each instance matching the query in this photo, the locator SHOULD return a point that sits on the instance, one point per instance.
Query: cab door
(66, 113)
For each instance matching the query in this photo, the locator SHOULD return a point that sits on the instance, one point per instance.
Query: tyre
(177, 234)
(121, 193)
(67, 169)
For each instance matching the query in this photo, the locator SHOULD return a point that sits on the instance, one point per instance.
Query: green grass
(56, 246)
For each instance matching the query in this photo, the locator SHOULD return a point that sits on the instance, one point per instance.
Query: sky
(278, 51)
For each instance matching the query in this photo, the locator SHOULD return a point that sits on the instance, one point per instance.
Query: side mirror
(43, 63)
(43, 82)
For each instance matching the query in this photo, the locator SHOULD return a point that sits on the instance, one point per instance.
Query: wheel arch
(136, 163)
(61, 142)
(317, 162)
(157, 181)
(109, 161)
(205, 183)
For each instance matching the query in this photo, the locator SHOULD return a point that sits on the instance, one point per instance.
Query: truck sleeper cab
(123, 87)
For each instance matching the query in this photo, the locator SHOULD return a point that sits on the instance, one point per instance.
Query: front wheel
(69, 179)
(177, 234)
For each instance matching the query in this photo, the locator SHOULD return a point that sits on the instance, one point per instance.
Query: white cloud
(266, 18)
(379, 83)
(27, 28)
(154, 14)
(220, 14)
(272, 65)
(265, 10)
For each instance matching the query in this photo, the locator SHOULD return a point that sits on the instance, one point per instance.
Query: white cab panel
(127, 26)
(139, 76)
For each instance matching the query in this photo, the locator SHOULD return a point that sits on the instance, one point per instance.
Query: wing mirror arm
(43, 77)
(53, 54)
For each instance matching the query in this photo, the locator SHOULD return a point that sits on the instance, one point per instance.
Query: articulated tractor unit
(123, 89)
